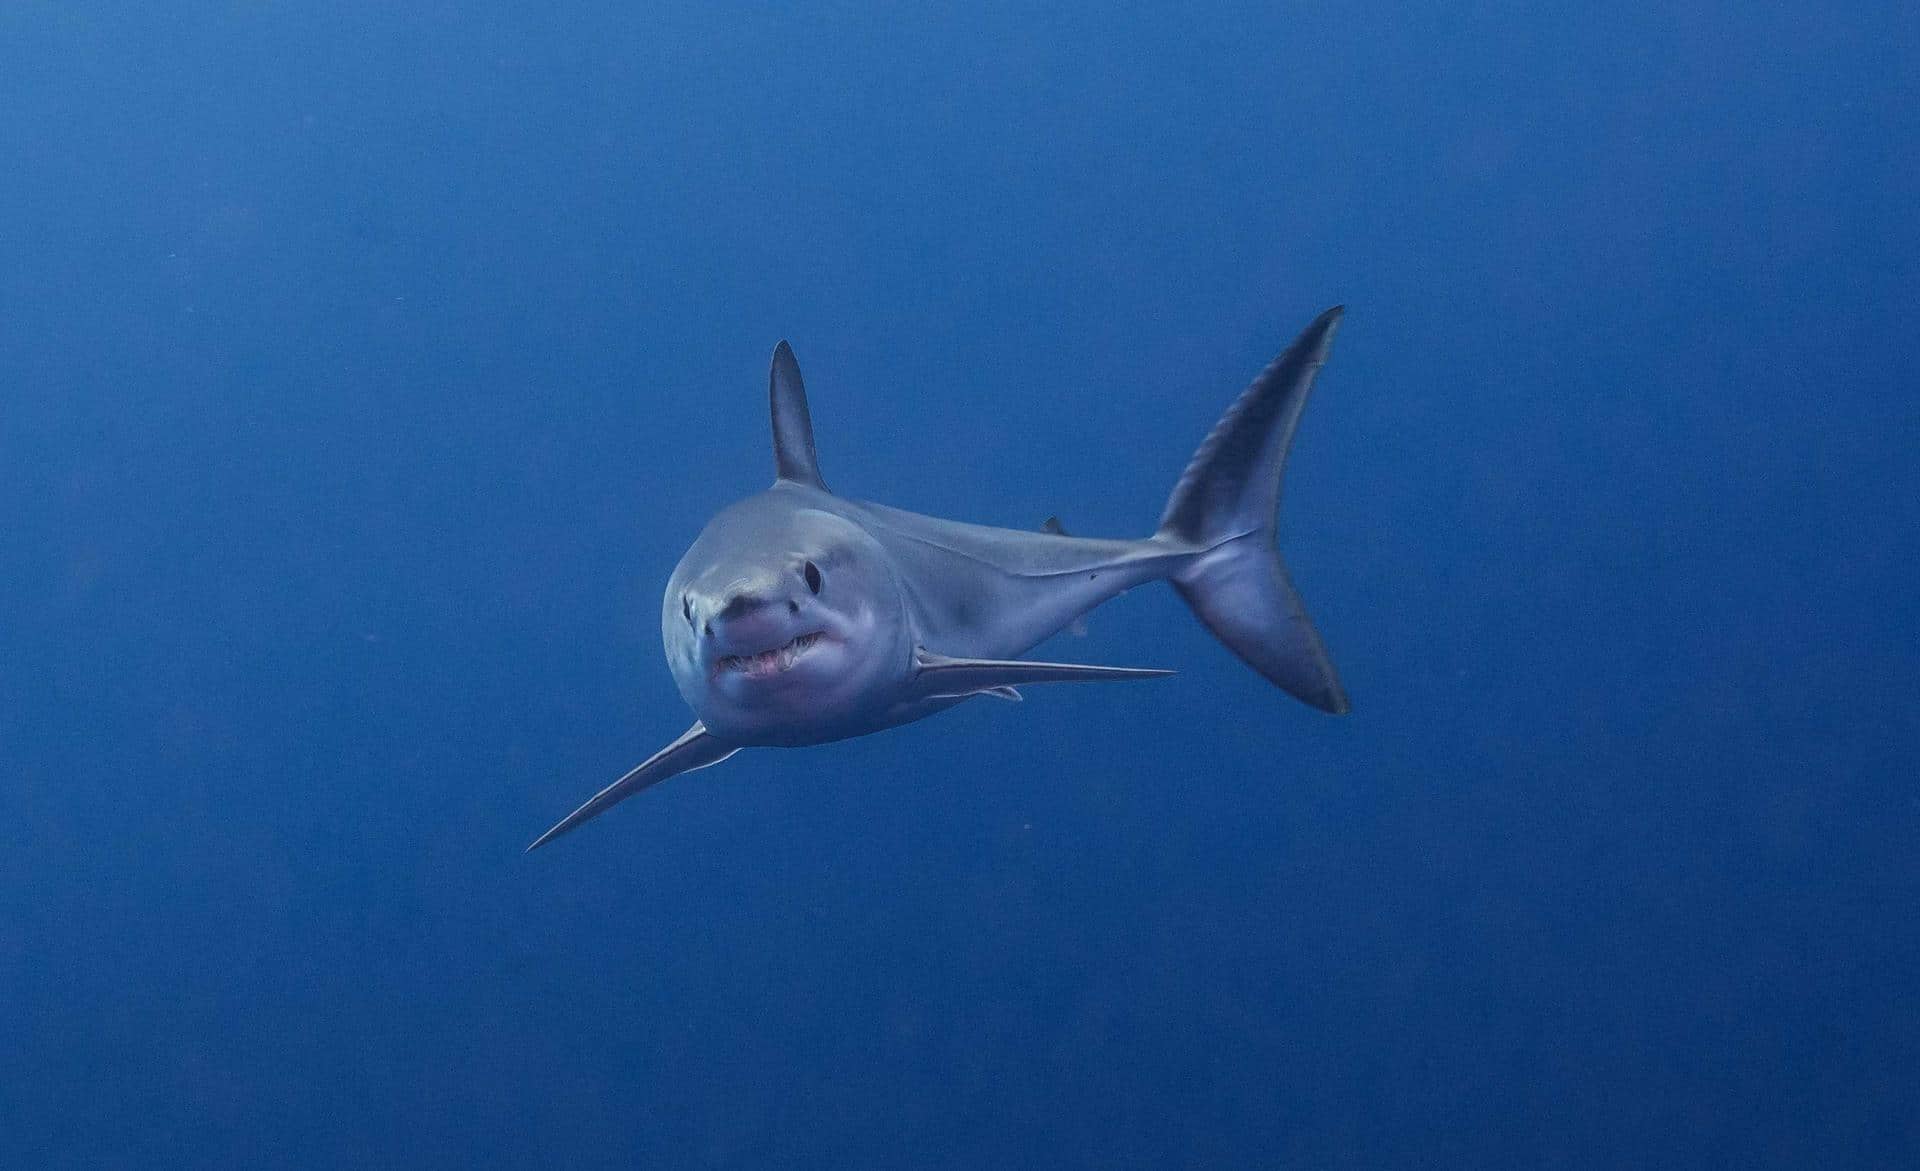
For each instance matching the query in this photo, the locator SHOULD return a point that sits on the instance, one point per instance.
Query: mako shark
(799, 617)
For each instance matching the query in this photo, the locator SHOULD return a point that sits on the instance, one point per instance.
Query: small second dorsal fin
(793, 456)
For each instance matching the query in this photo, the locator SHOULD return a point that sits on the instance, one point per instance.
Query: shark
(800, 617)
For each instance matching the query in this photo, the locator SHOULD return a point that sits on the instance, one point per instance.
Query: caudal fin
(1228, 502)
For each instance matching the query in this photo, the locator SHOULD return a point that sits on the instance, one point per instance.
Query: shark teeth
(772, 662)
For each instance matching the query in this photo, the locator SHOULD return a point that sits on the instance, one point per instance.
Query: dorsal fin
(793, 457)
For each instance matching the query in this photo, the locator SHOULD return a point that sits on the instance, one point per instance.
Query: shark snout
(742, 604)
(748, 621)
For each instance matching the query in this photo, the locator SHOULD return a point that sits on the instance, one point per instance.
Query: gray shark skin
(799, 617)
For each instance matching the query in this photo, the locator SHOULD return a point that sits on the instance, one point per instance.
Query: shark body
(800, 617)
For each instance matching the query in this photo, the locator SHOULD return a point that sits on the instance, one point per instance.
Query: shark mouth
(768, 663)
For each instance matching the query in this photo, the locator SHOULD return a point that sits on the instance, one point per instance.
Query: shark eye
(812, 574)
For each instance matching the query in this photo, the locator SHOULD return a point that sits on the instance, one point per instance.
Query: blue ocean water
(364, 370)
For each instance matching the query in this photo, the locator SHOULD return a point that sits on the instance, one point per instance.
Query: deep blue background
(364, 370)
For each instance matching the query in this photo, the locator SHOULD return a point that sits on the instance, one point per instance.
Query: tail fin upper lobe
(1228, 502)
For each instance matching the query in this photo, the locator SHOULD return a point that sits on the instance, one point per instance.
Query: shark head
(784, 624)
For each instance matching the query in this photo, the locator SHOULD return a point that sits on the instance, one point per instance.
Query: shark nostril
(793, 607)
(709, 630)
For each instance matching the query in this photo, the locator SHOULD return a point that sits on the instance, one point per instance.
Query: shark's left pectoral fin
(939, 675)
(1006, 693)
(693, 750)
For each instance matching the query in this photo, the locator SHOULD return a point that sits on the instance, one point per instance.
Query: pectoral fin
(693, 750)
(1006, 693)
(940, 675)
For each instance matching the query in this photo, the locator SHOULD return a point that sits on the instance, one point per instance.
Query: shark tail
(1227, 504)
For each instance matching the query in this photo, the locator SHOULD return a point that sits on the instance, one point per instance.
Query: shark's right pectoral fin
(694, 750)
(937, 675)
